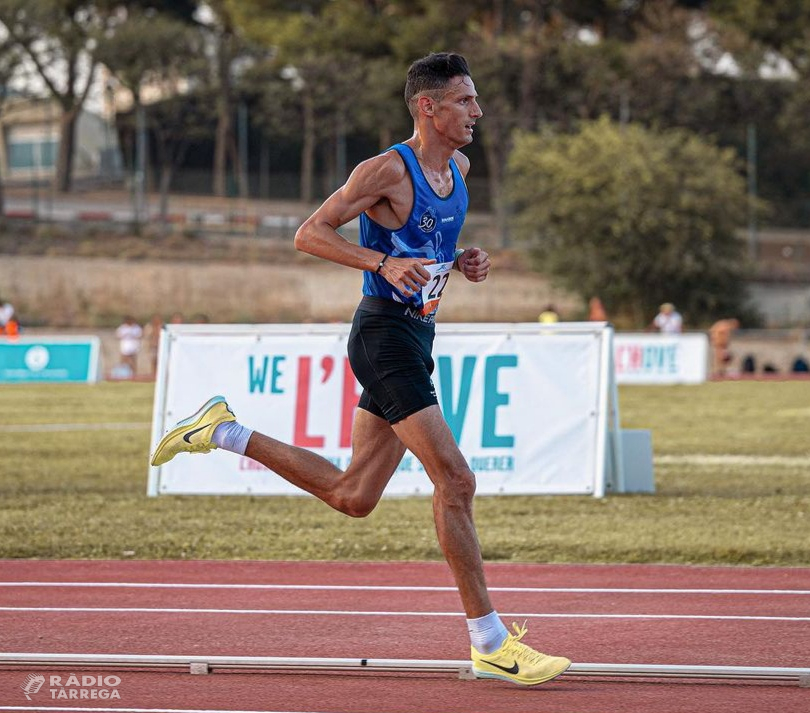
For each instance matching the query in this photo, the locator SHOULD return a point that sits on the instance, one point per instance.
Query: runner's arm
(372, 182)
(473, 263)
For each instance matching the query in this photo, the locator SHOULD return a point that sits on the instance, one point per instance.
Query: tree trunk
(236, 163)
(385, 137)
(64, 161)
(340, 151)
(139, 175)
(165, 184)
(496, 151)
(224, 120)
(264, 167)
(242, 152)
(530, 67)
(308, 149)
(221, 147)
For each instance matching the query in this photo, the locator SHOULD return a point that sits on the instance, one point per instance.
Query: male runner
(412, 202)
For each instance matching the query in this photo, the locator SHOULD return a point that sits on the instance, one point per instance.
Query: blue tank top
(431, 231)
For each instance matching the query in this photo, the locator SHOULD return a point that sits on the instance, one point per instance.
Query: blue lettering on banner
(492, 464)
(406, 465)
(265, 374)
(257, 375)
(655, 359)
(661, 359)
(25, 360)
(455, 416)
(494, 399)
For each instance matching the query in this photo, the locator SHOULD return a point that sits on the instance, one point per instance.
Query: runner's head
(431, 75)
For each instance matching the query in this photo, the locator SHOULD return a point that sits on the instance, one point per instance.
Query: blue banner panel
(53, 359)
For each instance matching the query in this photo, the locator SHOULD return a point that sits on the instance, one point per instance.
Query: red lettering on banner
(619, 359)
(327, 364)
(300, 436)
(350, 398)
(629, 358)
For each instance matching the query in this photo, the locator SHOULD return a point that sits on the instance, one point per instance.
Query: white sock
(487, 633)
(232, 436)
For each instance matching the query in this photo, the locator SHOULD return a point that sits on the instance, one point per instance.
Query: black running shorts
(390, 348)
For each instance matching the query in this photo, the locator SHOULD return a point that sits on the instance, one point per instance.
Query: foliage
(780, 25)
(58, 37)
(536, 64)
(634, 215)
(324, 55)
(150, 47)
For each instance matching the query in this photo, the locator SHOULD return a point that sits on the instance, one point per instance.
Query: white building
(29, 143)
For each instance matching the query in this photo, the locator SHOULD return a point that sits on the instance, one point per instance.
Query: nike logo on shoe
(187, 436)
(513, 669)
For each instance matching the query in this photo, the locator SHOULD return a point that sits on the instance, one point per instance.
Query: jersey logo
(428, 220)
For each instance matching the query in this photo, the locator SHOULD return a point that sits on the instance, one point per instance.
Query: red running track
(627, 614)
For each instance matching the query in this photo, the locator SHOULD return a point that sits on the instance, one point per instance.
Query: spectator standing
(596, 310)
(668, 320)
(129, 335)
(720, 339)
(548, 316)
(151, 334)
(9, 326)
(6, 312)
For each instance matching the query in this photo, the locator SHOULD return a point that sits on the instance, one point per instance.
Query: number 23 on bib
(432, 291)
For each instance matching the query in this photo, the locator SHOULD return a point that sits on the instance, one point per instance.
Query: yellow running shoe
(193, 434)
(517, 662)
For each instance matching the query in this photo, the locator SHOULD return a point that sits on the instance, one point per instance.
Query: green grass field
(82, 494)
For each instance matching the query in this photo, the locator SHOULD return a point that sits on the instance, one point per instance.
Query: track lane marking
(68, 427)
(711, 459)
(393, 588)
(140, 710)
(336, 612)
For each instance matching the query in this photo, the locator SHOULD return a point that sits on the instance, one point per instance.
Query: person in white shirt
(6, 312)
(668, 321)
(129, 336)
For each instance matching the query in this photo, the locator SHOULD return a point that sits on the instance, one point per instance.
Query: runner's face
(457, 111)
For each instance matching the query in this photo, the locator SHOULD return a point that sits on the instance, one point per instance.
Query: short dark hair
(433, 72)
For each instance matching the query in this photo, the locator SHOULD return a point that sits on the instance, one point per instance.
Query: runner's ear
(426, 105)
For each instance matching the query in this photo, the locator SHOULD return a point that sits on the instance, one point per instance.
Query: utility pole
(751, 169)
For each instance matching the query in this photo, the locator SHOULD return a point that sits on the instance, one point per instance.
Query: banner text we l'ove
(271, 375)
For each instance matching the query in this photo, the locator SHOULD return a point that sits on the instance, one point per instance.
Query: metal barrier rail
(462, 669)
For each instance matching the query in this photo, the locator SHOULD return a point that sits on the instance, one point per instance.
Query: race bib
(432, 291)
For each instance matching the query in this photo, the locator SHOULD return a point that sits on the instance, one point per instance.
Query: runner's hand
(407, 273)
(474, 264)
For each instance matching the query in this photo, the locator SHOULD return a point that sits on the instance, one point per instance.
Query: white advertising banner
(528, 405)
(661, 358)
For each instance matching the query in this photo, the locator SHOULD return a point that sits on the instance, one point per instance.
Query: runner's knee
(456, 487)
(355, 503)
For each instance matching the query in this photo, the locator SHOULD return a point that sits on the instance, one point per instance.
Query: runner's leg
(429, 438)
(376, 453)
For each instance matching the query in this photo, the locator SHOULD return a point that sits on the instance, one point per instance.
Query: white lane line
(57, 427)
(708, 459)
(392, 588)
(138, 710)
(336, 612)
